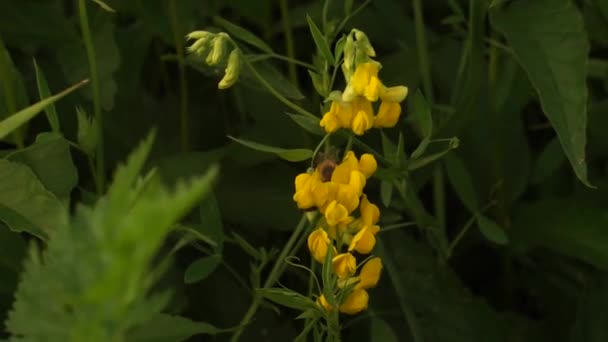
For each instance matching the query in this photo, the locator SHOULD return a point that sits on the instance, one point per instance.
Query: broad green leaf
(24, 194)
(44, 92)
(288, 298)
(317, 83)
(320, 41)
(292, 155)
(202, 268)
(50, 159)
(17, 223)
(575, 227)
(13, 249)
(242, 34)
(308, 123)
(549, 40)
(551, 157)
(211, 221)
(382, 331)
(103, 5)
(16, 120)
(491, 230)
(461, 181)
(592, 314)
(169, 328)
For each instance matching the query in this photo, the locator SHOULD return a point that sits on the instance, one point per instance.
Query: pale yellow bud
(232, 70)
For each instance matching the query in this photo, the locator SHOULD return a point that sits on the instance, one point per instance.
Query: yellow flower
(318, 243)
(394, 94)
(231, 73)
(367, 165)
(356, 302)
(363, 118)
(364, 82)
(330, 122)
(370, 273)
(322, 302)
(344, 265)
(303, 196)
(388, 114)
(370, 214)
(365, 240)
(335, 213)
(361, 123)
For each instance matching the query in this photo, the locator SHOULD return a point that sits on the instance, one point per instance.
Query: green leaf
(491, 230)
(50, 159)
(292, 155)
(461, 181)
(317, 83)
(549, 40)
(288, 298)
(169, 328)
(211, 221)
(24, 195)
(575, 227)
(422, 118)
(88, 132)
(308, 123)
(386, 193)
(339, 49)
(202, 268)
(320, 41)
(44, 92)
(592, 314)
(548, 162)
(242, 34)
(105, 6)
(382, 331)
(13, 122)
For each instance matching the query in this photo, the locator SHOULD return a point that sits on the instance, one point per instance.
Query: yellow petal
(348, 197)
(370, 213)
(322, 302)
(361, 123)
(320, 193)
(302, 181)
(388, 114)
(357, 181)
(355, 303)
(335, 213)
(318, 243)
(344, 114)
(364, 241)
(394, 94)
(368, 165)
(344, 265)
(370, 273)
(373, 89)
(329, 122)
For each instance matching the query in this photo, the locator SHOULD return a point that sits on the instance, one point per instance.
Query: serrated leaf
(320, 41)
(15, 121)
(43, 93)
(201, 268)
(51, 160)
(292, 155)
(491, 230)
(169, 328)
(288, 298)
(242, 34)
(308, 123)
(550, 42)
(459, 177)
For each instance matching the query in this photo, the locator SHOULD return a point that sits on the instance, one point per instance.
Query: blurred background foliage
(535, 270)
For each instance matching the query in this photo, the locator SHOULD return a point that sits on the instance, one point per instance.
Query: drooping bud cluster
(336, 190)
(354, 107)
(213, 47)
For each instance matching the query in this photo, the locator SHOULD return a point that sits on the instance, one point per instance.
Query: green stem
(276, 94)
(274, 275)
(314, 154)
(423, 55)
(289, 42)
(90, 50)
(183, 89)
(439, 198)
(259, 57)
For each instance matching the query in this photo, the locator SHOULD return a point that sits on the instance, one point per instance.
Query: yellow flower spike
(303, 195)
(329, 122)
(361, 123)
(335, 213)
(370, 213)
(370, 273)
(318, 243)
(388, 114)
(344, 265)
(368, 165)
(394, 94)
(322, 302)
(365, 240)
(356, 302)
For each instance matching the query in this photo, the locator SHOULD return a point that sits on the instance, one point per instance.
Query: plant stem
(183, 89)
(289, 42)
(274, 275)
(258, 57)
(90, 50)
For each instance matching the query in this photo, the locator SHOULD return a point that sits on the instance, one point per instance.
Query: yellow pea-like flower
(303, 196)
(388, 114)
(318, 244)
(344, 265)
(335, 213)
(330, 122)
(322, 302)
(365, 240)
(370, 273)
(361, 123)
(368, 165)
(370, 213)
(394, 94)
(356, 302)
